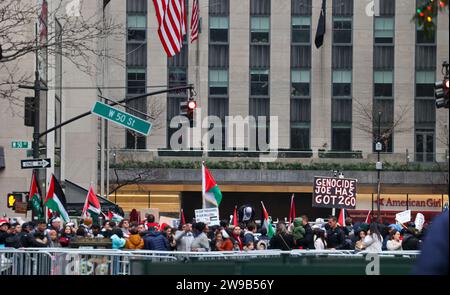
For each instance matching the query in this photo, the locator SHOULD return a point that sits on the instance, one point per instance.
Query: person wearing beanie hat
(299, 231)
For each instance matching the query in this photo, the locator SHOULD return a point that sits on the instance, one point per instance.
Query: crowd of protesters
(196, 237)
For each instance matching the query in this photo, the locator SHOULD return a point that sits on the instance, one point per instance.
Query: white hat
(57, 219)
(320, 220)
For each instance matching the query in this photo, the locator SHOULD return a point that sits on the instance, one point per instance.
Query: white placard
(420, 220)
(208, 216)
(403, 217)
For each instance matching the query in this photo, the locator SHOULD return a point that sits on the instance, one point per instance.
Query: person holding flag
(91, 207)
(212, 196)
(35, 198)
(56, 200)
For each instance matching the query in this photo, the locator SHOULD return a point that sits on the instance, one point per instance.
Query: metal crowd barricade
(19, 262)
(66, 261)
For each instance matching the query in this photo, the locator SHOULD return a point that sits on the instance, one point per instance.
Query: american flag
(195, 21)
(171, 15)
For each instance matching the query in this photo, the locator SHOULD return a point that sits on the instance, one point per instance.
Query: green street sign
(122, 118)
(20, 145)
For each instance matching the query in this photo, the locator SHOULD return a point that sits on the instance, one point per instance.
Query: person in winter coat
(40, 239)
(298, 231)
(221, 244)
(236, 239)
(118, 242)
(134, 241)
(168, 231)
(201, 242)
(394, 243)
(66, 237)
(308, 240)
(184, 238)
(320, 242)
(156, 241)
(359, 245)
(4, 232)
(54, 243)
(335, 235)
(282, 240)
(249, 234)
(411, 239)
(373, 241)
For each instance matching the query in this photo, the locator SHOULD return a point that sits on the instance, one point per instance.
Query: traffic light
(13, 198)
(441, 93)
(29, 112)
(187, 108)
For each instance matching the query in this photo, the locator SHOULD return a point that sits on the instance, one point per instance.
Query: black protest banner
(332, 192)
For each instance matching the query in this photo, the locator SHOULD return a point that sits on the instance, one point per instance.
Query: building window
(384, 30)
(342, 83)
(137, 28)
(383, 83)
(425, 83)
(259, 80)
(218, 29)
(300, 137)
(424, 145)
(341, 138)
(136, 81)
(218, 82)
(177, 77)
(425, 37)
(301, 29)
(300, 82)
(342, 30)
(260, 27)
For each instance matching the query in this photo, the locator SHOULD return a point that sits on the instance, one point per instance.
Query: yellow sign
(11, 201)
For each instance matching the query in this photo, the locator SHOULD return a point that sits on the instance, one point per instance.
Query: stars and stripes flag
(171, 15)
(195, 21)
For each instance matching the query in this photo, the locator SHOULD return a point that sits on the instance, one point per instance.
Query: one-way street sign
(36, 164)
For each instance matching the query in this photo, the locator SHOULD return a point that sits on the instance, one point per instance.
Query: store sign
(332, 192)
(402, 202)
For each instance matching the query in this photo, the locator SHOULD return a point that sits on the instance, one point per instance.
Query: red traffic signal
(192, 105)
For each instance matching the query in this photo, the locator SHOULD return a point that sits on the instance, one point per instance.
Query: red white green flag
(114, 217)
(56, 200)
(267, 222)
(35, 198)
(212, 196)
(92, 205)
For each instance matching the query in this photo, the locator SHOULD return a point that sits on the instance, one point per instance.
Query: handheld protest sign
(329, 192)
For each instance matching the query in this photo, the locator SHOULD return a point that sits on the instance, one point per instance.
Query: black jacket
(283, 242)
(336, 238)
(308, 240)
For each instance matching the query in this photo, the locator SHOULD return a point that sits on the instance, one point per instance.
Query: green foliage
(292, 166)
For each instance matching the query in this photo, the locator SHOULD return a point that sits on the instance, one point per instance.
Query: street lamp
(379, 166)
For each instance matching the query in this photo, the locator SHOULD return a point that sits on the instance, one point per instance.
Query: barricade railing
(67, 261)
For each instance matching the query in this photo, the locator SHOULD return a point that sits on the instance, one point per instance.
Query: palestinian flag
(212, 196)
(35, 198)
(114, 217)
(267, 222)
(56, 200)
(92, 205)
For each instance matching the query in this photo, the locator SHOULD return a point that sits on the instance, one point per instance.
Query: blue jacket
(434, 257)
(156, 241)
(117, 243)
